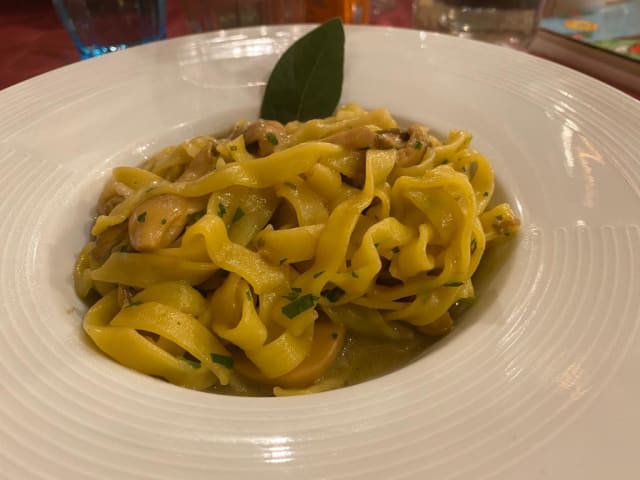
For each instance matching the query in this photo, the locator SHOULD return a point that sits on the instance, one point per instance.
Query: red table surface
(33, 41)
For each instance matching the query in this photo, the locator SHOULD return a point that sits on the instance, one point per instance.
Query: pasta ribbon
(128, 347)
(234, 315)
(289, 257)
(210, 233)
(283, 354)
(145, 269)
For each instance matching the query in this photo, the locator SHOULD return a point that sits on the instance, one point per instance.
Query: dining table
(538, 381)
(33, 41)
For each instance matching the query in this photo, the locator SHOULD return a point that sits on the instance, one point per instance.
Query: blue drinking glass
(102, 26)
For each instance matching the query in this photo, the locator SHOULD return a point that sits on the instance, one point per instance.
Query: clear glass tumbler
(102, 26)
(206, 15)
(506, 22)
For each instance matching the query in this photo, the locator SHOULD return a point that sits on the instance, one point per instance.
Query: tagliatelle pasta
(274, 259)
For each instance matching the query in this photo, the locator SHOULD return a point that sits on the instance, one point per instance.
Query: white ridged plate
(539, 381)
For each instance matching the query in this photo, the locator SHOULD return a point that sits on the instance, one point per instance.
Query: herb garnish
(418, 145)
(317, 274)
(222, 210)
(395, 249)
(294, 293)
(224, 360)
(195, 216)
(334, 294)
(193, 363)
(306, 82)
(299, 305)
(354, 274)
(271, 138)
(237, 215)
(474, 245)
(142, 217)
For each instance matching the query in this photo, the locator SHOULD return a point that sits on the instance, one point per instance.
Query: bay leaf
(306, 82)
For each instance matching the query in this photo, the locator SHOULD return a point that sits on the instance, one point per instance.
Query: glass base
(504, 26)
(97, 50)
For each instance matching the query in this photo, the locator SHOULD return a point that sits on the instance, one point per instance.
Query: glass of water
(506, 22)
(102, 26)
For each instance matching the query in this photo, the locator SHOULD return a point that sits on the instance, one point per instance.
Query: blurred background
(33, 39)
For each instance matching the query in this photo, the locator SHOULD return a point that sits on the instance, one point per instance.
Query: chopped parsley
(333, 295)
(317, 274)
(299, 305)
(194, 217)
(247, 294)
(222, 210)
(193, 363)
(474, 245)
(418, 145)
(142, 217)
(271, 138)
(354, 274)
(453, 284)
(224, 360)
(395, 249)
(485, 194)
(294, 293)
(237, 215)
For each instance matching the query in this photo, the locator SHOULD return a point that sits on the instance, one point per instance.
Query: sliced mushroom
(418, 142)
(364, 137)
(202, 164)
(264, 136)
(357, 138)
(114, 237)
(157, 222)
(391, 138)
(124, 295)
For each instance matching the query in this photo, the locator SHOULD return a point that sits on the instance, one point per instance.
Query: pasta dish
(282, 259)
